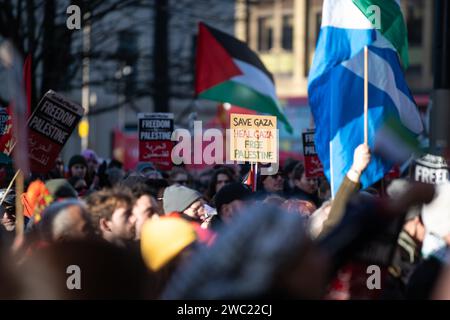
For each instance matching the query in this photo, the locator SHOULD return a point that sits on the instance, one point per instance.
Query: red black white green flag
(227, 70)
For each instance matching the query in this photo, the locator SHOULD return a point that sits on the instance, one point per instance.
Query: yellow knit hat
(164, 238)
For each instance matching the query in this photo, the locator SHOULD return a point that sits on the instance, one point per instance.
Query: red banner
(157, 152)
(126, 148)
(155, 146)
(6, 133)
(313, 166)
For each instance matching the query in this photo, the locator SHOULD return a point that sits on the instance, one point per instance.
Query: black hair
(210, 193)
(299, 169)
(155, 185)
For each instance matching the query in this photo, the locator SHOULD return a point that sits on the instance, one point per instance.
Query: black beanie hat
(231, 192)
(77, 159)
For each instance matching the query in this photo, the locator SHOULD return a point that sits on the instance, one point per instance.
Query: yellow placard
(253, 138)
(83, 128)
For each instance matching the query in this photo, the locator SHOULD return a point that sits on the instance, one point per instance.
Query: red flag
(7, 141)
(14, 66)
(251, 178)
(27, 82)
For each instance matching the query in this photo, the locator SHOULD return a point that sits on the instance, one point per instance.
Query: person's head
(274, 200)
(231, 199)
(111, 211)
(145, 205)
(91, 160)
(324, 189)
(78, 166)
(219, 179)
(114, 175)
(273, 183)
(8, 210)
(6, 170)
(157, 187)
(114, 163)
(148, 170)
(289, 170)
(61, 189)
(413, 224)
(65, 221)
(179, 176)
(301, 207)
(164, 239)
(184, 200)
(58, 170)
(302, 182)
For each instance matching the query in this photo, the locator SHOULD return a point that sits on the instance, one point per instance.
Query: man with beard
(111, 211)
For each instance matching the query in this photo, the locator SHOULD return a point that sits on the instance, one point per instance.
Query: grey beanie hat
(61, 188)
(179, 198)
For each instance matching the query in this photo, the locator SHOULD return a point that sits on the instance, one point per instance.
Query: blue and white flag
(336, 84)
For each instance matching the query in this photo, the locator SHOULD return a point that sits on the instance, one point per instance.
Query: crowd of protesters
(149, 234)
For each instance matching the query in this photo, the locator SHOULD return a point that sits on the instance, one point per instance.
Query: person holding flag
(336, 84)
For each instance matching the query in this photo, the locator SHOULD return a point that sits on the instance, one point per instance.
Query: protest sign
(313, 166)
(253, 138)
(6, 133)
(155, 145)
(50, 127)
(430, 169)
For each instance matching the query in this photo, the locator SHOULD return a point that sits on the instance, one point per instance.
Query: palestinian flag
(251, 177)
(228, 71)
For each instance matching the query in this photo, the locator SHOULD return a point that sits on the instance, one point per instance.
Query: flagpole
(366, 96)
(331, 171)
(19, 207)
(255, 178)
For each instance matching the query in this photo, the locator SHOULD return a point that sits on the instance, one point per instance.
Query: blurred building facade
(285, 32)
(121, 75)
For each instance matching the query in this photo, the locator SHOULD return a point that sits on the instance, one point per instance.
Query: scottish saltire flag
(228, 71)
(336, 83)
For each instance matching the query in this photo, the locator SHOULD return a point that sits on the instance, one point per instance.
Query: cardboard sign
(430, 169)
(253, 138)
(50, 126)
(155, 146)
(313, 166)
